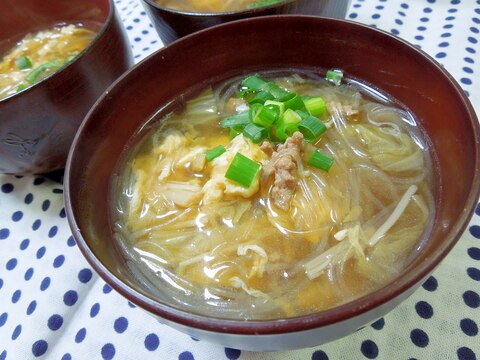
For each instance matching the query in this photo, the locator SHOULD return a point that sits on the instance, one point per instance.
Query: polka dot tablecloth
(53, 306)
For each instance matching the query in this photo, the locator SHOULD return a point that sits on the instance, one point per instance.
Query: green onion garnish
(235, 121)
(215, 152)
(316, 106)
(311, 128)
(23, 63)
(267, 115)
(290, 117)
(320, 161)
(258, 97)
(293, 101)
(21, 87)
(334, 76)
(262, 3)
(256, 84)
(35, 73)
(242, 170)
(284, 131)
(255, 133)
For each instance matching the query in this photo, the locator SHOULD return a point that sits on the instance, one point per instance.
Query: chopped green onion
(311, 128)
(293, 101)
(259, 97)
(234, 132)
(284, 131)
(70, 58)
(255, 133)
(21, 87)
(316, 106)
(267, 115)
(259, 85)
(320, 161)
(35, 73)
(334, 76)
(235, 121)
(262, 3)
(276, 90)
(215, 152)
(242, 170)
(290, 117)
(280, 105)
(23, 63)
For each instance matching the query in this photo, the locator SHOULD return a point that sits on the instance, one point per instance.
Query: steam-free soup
(275, 196)
(38, 55)
(214, 6)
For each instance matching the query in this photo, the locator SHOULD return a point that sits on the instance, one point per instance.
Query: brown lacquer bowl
(37, 125)
(387, 63)
(173, 24)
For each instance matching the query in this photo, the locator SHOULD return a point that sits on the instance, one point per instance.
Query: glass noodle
(344, 233)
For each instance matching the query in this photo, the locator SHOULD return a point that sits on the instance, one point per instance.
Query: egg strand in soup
(215, 6)
(276, 196)
(38, 55)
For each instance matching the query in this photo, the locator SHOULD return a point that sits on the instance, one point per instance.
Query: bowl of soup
(264, 200)
(173, 19)
(55, 61)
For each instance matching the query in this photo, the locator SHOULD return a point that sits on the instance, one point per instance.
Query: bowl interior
(370, 56)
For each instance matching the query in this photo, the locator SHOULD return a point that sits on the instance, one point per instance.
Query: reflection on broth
(38, 55)
(214, 6)
(327, 204)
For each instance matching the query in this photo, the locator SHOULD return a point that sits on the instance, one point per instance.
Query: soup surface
(38, 55)
(285, 232)
(214, 6)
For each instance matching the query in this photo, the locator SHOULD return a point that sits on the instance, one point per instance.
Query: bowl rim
(409, 280)
(105, 24)
(200, 14)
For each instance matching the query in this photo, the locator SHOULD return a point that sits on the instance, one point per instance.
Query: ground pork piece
(267, 147)
(284, 167)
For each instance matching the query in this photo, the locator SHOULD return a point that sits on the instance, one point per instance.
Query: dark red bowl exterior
(374, 57)
(37, 126)
(171, 24)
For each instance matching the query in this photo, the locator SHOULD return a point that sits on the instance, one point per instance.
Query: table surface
(53, 306)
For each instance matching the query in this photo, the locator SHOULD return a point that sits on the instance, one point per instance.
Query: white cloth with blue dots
(53, 306)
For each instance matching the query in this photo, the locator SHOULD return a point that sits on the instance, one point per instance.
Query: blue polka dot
(120, 324)
(45, 283)
(379, 324)
(16, 296)
(67, 356)
(17, 216)
(41, 251)
(80, 336)
(24, 244)
(108, 351)
(62, 213)
(471, 299)
(186, 355)
(11, 264)
(58, 261)
(427, 10)
(430, 284)
(443, 44)
(136, 20)
(3, 319)
(52, 232)
(469, 327)
(4, 233)
(319, 355)
(1, 283)
(39, 348)
(36, 224)
(474, 253)
(3, 355)
(466, 81)
(465, 353)
(424, 19)
(424, 309)
(369, 349)
(151, 342)
(28, 199)
(232, 354)
(16, 332)
(45, 205)
(31, 307)
(131, 305)
(85, 275)
(419, 338)
(475, 230)
(38, 181)
(471, 50)
(419, 37)
(7, 188)
(71, 241)
(441, 55)
(70, 298)
(470, 61)
(94, 310)
(106, 289)
(474, 273)
(28, 274)
(129, 27)
(55, 322)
